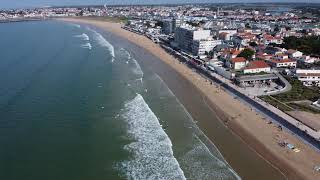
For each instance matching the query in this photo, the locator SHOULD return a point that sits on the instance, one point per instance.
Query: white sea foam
(104, 43)
(74, 25)
(83, 36)
(126, 52)
(213, 166)
(206, 167)
(151, 147)
(137, 68)
(86, 46)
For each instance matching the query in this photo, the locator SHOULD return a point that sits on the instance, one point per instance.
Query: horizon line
(158, 4)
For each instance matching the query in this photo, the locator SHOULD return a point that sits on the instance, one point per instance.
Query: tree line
(309, 45)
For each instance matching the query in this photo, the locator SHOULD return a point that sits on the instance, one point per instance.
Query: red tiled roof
(288, 60)
(291, 51)
(235, 52)
(281, 55)
(257, 65)
(224, 33)
(283, 61)
(238, 59)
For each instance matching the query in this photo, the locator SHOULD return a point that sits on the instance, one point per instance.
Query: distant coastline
(22, 20)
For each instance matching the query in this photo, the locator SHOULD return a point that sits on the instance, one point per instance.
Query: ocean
(76, 103)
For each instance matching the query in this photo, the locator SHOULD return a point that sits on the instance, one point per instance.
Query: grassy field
(117, 19)
(286, 101)
(298, 92)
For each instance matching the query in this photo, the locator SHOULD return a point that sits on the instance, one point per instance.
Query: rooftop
(257, 65)
(238, 59)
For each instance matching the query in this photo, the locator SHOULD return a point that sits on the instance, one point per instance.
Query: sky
(5, 4)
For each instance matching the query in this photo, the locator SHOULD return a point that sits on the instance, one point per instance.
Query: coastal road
(287, 85)
(267, 112)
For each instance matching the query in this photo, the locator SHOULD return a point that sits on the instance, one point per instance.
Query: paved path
(286, 88)
(305, 133)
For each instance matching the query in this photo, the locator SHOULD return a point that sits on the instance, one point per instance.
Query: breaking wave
(104, 43)
(204, 163)
(136, 68)
(74, 25)
(86, 46)
(83, 36)
(205, 167)
(151, 147)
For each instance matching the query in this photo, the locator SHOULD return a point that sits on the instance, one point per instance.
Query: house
(225, 34)
(309, 77)
(237, 63)
(306, 59)
(268, 39)
(263, 56)
(228, 54)
(283, 63)
(294, 53)
(257, 67)
(273, 50)
(244, 38)
(280, 57)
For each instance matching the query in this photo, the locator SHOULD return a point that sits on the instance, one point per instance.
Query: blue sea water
(75, 105)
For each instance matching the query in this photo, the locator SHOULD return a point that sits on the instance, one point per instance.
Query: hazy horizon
(6, 4)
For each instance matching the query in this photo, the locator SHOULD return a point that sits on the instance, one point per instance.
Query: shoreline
(262, 141)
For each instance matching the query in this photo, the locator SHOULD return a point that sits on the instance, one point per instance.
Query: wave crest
(152, 149)
(83, 36)
(104, 43)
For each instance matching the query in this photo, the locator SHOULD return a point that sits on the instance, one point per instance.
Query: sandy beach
(251, 127)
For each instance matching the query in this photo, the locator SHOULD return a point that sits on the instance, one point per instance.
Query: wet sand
(248, 143)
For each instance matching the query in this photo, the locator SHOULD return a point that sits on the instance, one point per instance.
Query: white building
(283, 63)
(200, 47)
(257, 67)
(280, 57)
(308, 77)
(226, 34)
(294, 53)
(186, 35)
(306, 59)
(237, 63)
(268, 39)
(167, 26)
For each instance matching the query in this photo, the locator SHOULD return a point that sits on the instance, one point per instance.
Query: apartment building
(309, 77)
(185, 36)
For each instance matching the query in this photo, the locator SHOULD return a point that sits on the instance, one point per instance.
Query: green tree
(247, 25)
(276, 29)
(253, 44)
(309, 45)
(246, 53)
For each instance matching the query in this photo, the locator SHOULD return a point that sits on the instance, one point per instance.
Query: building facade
(185, 36)
(200, 47)
(308, 77)
(257, 67)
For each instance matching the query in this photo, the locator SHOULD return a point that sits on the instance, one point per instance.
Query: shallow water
(76, 105)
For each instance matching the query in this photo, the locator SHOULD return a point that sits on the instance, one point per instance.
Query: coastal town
(267, 57)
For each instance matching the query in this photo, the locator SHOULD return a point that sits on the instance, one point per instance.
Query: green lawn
(117, 19)
(298, 92)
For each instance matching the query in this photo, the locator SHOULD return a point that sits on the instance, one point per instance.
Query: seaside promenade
(304, 132)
